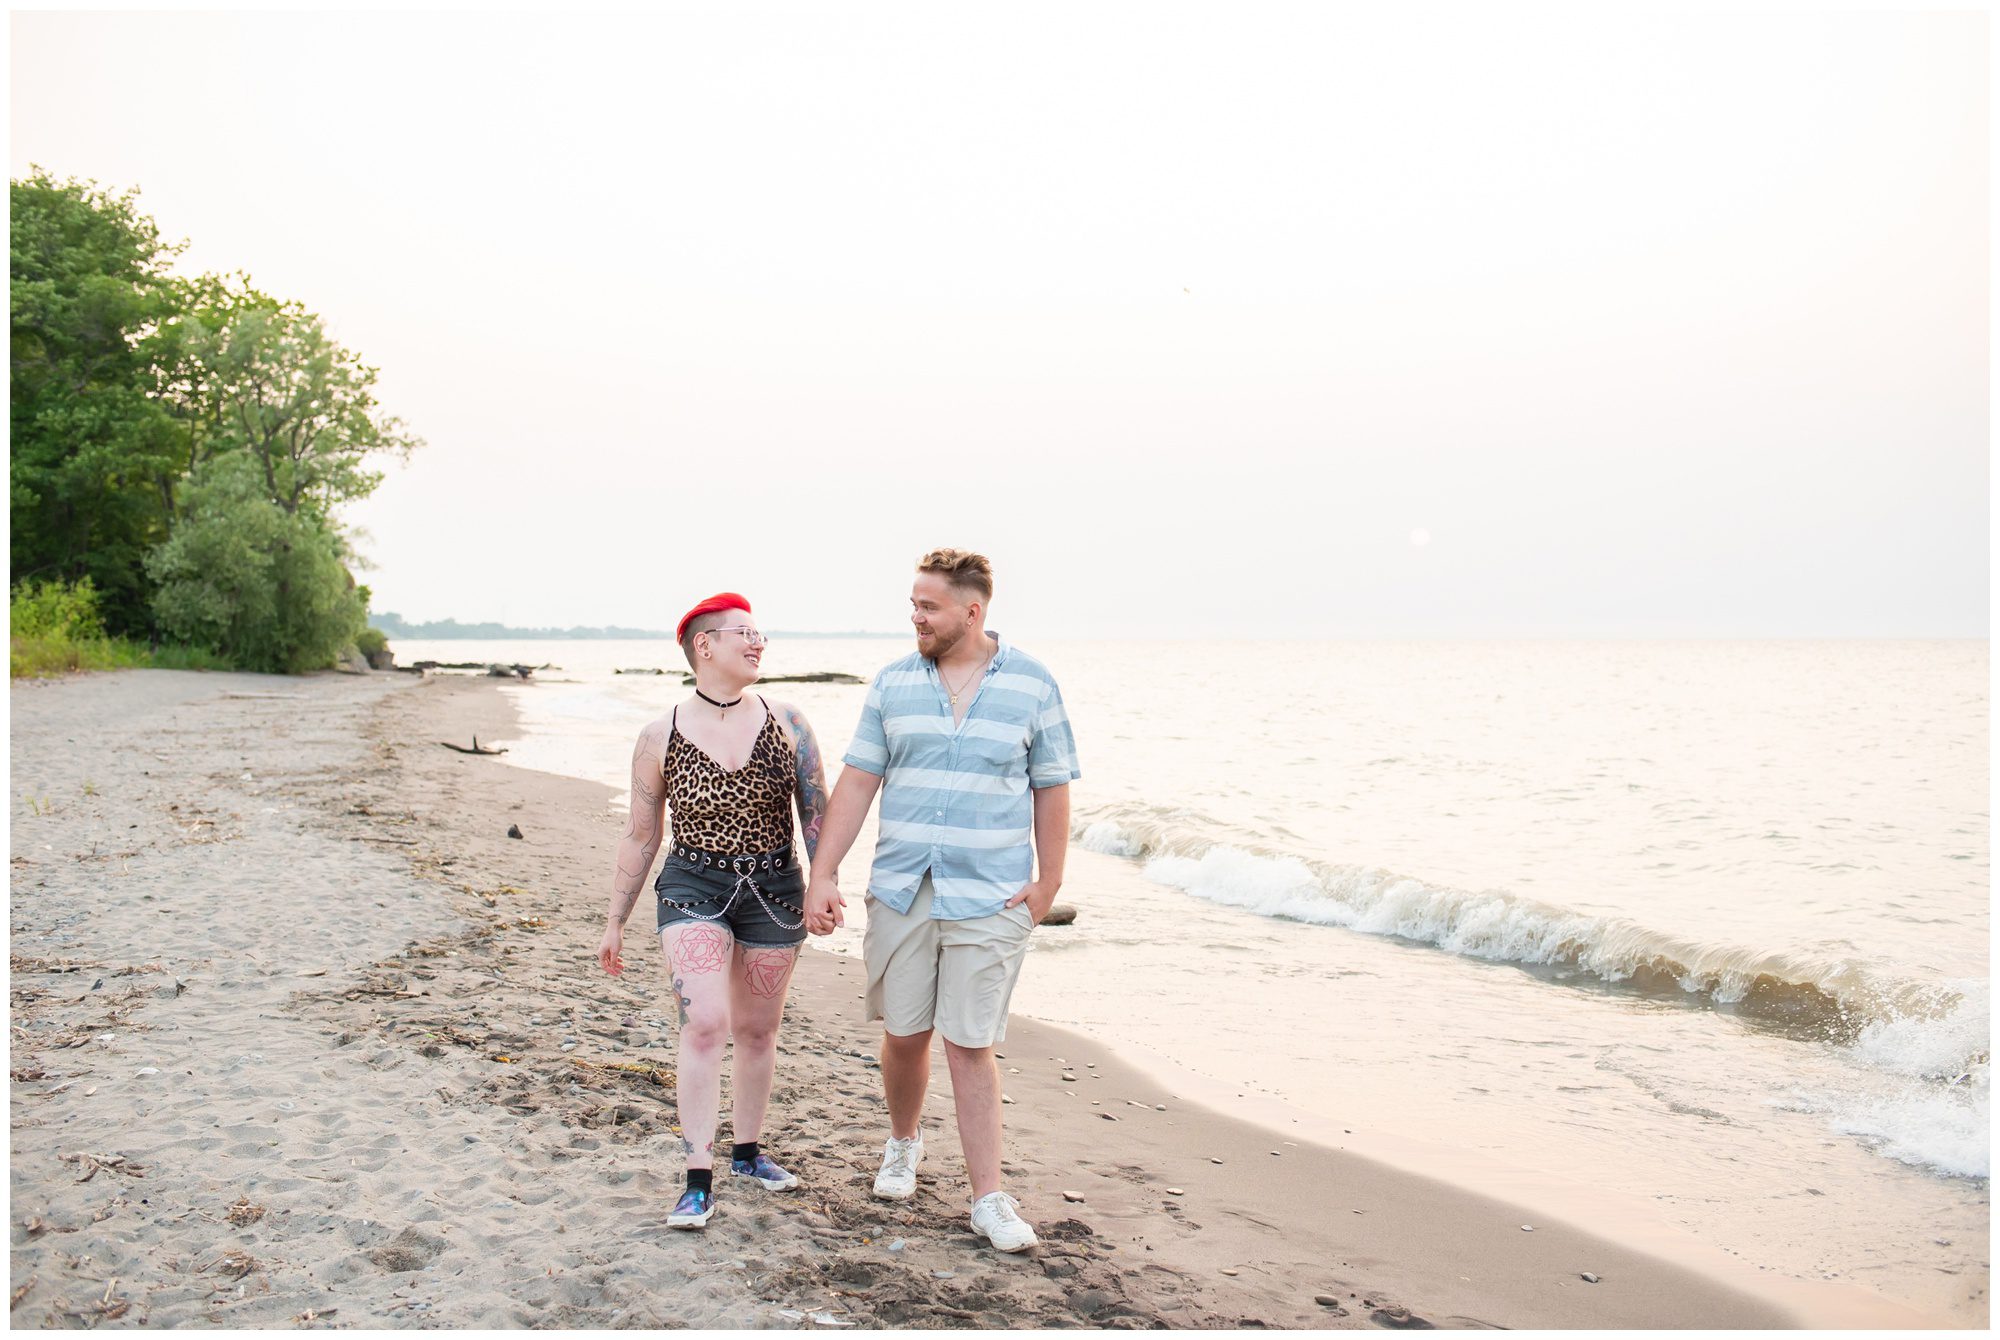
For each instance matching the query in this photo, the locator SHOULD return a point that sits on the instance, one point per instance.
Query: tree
(131, 389)
(90, 445)
(274, 385)
(263, 586)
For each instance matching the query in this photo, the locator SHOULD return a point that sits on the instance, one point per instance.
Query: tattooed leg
(699, 953)
(756, 1007)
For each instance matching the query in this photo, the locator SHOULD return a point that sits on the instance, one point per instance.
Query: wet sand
(300, 1035)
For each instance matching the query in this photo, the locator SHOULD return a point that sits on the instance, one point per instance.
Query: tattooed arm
(812, 794)
(638, 846)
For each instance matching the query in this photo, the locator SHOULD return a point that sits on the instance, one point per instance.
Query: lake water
(1688, 937)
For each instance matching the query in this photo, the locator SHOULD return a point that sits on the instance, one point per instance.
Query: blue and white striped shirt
(955, 797)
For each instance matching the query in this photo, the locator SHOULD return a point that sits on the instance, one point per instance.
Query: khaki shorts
(955, 976)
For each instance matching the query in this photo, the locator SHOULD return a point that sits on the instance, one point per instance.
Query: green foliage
(263, 586)
(91, 454)
(59, 610)
(371, 641)
(129, 383)
(277, 388)
(48, 657)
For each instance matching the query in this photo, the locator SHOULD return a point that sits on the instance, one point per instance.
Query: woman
(731, 891)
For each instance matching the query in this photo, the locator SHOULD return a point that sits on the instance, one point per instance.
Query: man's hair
(705, 623)
(965, 570)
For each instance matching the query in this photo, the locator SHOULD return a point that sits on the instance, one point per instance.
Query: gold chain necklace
(968, 679)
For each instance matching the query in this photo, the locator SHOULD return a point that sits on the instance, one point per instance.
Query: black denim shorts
(764, 896)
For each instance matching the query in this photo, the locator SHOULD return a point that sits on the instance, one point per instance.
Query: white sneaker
(898, 1178)
(994, 1216)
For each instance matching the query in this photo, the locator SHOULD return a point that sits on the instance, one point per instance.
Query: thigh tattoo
(765, 970)
(702, 948)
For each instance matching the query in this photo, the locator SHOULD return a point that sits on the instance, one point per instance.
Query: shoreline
(450, 1059)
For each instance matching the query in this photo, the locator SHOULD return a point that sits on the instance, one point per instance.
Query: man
(970, 747)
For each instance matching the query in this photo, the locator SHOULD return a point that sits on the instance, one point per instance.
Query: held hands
(823, 904)
(611, 949)
(1038, 896)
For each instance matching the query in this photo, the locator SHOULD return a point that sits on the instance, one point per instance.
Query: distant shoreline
(450, 630)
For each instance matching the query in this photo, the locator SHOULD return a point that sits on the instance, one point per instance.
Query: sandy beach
(300, 1035)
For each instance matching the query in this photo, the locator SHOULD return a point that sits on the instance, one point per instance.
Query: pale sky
(1196, 319)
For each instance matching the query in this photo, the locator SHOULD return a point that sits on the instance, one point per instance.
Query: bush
(55, 628)
(371, 641)
(264, 587)
(59, 611)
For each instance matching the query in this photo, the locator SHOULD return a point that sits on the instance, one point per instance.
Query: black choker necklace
(712, 703)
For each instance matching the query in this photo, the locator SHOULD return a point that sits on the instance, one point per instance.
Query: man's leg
(975, 1093)
(978, 962)
(900, 950)
(906, 1078)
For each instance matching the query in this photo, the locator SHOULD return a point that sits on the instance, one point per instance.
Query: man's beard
(942, 642)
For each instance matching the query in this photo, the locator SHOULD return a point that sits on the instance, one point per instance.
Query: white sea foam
(1105, 836)
(1936, 1108)
(1921, 1091)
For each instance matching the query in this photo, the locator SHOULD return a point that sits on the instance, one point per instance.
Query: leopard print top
(747, 812)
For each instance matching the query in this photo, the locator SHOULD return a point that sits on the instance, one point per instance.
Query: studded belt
(745, 869)
(737, 865)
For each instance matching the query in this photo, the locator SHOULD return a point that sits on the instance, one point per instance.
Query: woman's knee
(705, 1031)
(756, 1035)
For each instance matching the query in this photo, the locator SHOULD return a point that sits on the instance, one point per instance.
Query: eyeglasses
(750, 635)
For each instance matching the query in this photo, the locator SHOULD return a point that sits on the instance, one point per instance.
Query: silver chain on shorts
(742, 866)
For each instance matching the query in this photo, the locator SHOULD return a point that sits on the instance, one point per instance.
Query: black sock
(701, 1179)
(745, 1153)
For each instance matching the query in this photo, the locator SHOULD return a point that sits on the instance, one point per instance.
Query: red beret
(728, 600)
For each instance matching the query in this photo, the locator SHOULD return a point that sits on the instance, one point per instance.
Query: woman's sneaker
(762, 1170)
(692, 1209)
(898, 1178)
(994, 1216)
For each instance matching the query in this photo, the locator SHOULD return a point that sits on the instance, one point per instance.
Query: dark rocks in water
(1061, 914)
(816, 677)
(514, 831)
(490, 667)
(640, 670)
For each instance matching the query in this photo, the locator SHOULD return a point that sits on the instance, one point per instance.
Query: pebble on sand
(1175, 1191)
(1107, 1116)
(1005, 1099)
(1228, 1271)
(1589, 1278)
(1326, 1300)
(1527, 1228)
(1072, 1197)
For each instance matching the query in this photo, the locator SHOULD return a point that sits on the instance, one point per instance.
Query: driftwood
(477, 748)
